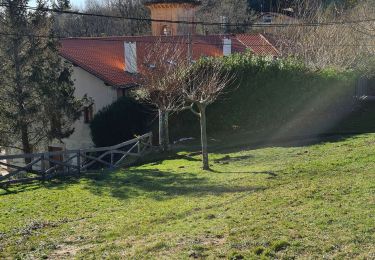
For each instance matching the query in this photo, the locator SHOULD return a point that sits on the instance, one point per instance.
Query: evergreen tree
(37, 104)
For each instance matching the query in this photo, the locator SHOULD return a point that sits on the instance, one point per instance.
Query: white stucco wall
(102, 95)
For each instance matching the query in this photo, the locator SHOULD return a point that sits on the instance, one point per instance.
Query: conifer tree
(37, 104)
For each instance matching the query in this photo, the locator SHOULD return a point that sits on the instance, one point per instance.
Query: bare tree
(204, 83)
(71, 25)
(224, 11)
(333, 43)
(365, 32)
(161, 79)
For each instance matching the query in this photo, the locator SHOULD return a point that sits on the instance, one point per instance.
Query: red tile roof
(258, 43)
(104, 56)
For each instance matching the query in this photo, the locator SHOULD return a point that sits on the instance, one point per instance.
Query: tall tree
(37, 104)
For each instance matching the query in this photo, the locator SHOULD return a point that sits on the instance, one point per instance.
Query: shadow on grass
(159, 185)
(59, 183)
(221, 147)
(271, 174)
(158, 159)
(228, 159)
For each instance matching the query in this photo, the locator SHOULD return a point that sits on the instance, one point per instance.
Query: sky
(75, 3)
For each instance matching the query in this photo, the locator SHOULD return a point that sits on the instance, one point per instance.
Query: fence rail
(43, 166)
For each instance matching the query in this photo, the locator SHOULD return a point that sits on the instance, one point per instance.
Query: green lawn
(285, 202)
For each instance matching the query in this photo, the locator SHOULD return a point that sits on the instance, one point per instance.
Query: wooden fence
(43, 166)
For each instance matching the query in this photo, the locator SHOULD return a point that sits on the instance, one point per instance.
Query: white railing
(42, 166)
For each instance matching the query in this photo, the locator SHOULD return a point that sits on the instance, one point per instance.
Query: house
(264, 21)
(106, 68)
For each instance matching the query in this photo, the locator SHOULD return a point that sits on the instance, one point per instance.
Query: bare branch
(338, 45)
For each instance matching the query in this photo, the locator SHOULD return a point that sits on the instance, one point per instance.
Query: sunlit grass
(305, 202)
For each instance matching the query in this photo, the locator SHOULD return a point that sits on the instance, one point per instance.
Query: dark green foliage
(272, 96)
(37, 104)
(119, 122)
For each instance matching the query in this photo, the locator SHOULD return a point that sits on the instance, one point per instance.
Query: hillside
(282, 201)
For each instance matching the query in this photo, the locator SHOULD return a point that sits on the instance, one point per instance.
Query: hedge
(119, 122)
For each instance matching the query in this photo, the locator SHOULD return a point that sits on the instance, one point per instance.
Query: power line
(245, 24)
(140, 39)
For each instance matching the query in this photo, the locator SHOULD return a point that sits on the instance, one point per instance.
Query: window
(121, 92)
(267, 19)
(88, 113)
(166, 30)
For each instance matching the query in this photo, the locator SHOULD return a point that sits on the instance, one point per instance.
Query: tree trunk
(20, 97)
(202, 110)
(26, 146)
(163, 130)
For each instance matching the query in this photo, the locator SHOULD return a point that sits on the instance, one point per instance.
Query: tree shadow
(297, 141)
(271, 174)
(172, 155)
(159, 185)
(228, 159)
(247, 141)
(58, 183)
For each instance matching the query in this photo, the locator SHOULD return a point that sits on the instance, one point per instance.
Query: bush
(119, 122)
(282, 96)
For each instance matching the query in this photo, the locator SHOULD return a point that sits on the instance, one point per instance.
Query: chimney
(130, 50)
(227, 47)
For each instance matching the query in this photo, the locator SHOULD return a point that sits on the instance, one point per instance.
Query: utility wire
(244, 24)
(142, 40)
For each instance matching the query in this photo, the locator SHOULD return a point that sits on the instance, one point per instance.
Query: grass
(309, 201)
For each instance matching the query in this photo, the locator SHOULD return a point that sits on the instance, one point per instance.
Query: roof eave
(106, 81)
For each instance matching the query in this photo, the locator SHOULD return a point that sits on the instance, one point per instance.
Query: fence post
(139, 147)
(43, 166)
(79, 161)
(112, 160)
(150, 139)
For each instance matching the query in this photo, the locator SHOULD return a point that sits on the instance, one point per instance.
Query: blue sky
(75, 3)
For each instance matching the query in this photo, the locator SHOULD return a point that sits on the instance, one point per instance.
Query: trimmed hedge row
(275, 96)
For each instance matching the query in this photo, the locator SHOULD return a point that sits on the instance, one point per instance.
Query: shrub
(119, 122)
(274, 95)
